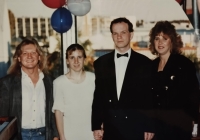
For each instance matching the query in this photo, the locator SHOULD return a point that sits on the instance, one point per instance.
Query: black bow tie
(119, 55)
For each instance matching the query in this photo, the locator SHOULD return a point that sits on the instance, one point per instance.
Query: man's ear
(131, 35)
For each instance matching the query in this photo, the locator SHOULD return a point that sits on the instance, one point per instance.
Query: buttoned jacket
(124, 117)
(11, 102)
(179, 89)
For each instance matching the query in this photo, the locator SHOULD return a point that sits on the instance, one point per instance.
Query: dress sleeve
(58, 96)
(194, 92)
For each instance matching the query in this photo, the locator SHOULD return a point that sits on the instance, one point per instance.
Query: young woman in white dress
(73, 95)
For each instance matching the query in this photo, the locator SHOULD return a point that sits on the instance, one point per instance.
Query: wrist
(62, 137)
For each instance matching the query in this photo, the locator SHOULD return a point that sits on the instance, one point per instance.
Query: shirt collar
(24, 75)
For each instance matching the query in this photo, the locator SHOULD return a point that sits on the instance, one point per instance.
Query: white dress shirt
(33, 102)
(120, 69)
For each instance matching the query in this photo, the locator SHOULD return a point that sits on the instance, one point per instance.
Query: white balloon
(79, 7)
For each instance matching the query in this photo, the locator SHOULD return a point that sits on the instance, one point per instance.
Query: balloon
(54, 3)
(79, 7)
(179, 1)
(61, 20)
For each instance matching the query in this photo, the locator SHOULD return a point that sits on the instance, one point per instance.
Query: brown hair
(15, 67)
(74, 47)
(122, 19)
(168, 29)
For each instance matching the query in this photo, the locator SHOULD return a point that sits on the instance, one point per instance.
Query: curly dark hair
(122, 19)
(168, 29)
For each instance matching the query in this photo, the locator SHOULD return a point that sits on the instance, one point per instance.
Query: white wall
(4, 31)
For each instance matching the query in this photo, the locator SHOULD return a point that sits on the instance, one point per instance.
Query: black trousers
(165, 131)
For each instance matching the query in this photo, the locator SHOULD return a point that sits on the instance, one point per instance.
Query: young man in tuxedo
(122, 98)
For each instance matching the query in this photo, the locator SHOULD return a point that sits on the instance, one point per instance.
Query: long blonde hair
(15, 67)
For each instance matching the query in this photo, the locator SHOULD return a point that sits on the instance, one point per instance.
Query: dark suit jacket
(177, 91)
(11, 102)
(126, 118)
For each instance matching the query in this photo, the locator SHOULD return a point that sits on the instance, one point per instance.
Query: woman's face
(75, 60)
(162, 44)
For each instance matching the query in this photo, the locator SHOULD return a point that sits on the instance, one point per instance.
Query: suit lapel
(16, 98)
(129, 71)
(47, 90)
(169, 63)
(112, 75)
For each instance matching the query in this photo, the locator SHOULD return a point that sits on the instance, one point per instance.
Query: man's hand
(148, 135)
(98, 134)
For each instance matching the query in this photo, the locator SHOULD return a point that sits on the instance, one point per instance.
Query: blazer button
(166, 87)
(126, 117)
(172, 77)
(109, 100)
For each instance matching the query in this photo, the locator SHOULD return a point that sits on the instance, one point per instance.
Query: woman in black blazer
(175, 86)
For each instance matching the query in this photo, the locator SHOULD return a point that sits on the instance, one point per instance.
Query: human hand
(194, 132)
(62, 138)
(148, 135)
(98, 134)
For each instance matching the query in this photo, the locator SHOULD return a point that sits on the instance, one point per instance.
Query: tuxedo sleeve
(97, 105)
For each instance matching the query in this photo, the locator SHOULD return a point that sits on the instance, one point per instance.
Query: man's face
(121, 36)
(29, 57)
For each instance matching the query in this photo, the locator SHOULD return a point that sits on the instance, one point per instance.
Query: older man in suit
(122, 98)
(27, 93)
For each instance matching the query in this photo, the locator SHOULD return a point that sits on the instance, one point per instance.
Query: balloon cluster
(61, 19)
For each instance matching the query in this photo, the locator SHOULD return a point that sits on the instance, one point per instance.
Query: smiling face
(29, 57)
(121, 36)
(75, 60)
(162, 44)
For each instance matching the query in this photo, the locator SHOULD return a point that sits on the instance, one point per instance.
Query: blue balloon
(61, 20)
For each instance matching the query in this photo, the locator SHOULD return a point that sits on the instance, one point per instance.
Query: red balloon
(54, 3)
(179, 1)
